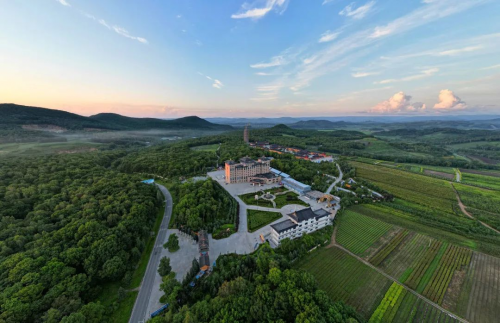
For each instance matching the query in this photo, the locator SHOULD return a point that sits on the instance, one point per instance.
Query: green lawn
(288, 198)
(257, 219)
(212, 148)
(34, 148)
(249, 199)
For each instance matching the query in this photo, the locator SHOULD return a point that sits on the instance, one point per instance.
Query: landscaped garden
(257, 219)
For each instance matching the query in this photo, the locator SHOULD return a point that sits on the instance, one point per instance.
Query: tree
(172, 244)
(164, 269)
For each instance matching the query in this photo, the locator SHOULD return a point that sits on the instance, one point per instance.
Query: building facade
(300, 223)
(249, 170)
(246, 134)
(296, 186)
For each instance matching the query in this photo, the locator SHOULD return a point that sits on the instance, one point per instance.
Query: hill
(35, 118)
(318, 124)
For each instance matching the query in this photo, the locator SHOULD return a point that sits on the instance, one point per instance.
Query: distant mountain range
(40, 118)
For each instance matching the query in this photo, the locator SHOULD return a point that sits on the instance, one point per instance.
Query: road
(337, 180)
(139, 312)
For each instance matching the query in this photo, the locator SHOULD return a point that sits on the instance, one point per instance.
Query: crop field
(358, 232)
(346, 279)
(30, 149)
(418, 189)
(486, 201)
(257, 219)
(490, 182)
(399, 305)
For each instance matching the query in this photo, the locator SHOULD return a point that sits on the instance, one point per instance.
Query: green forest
(68, 224)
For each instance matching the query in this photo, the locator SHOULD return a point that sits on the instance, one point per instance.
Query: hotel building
(249, 170)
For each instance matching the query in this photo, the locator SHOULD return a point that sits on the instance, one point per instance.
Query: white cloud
(64, 3)
(275, 61)
(309, 60)
(258, 9)
(454, 52)
(328, 36)
(263, 74)
(363, 74)
(448, 101)
(494, 67)
(117, 29)
(397, 104)
(425, 73)
(215, 83)
(327, 2)
(357, 13)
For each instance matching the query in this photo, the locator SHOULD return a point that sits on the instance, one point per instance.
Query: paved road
(337, 180)
(139, 312)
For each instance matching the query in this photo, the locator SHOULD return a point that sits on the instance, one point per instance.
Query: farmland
(482, 203)
(418, 189)
(344, 278)
(486, 181)
(258, 219)
(457, 278)
(357, 232)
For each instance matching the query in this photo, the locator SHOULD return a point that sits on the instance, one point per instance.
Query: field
(481, 203)
(418, 189)
(458, 279)
(344, 278)
(210, 148)
(257, 219)
(26, 149)
(486, 181)
(357, 232)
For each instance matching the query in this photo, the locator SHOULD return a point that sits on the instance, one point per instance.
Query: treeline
(203, 205)
(68, 224)
(260, 287)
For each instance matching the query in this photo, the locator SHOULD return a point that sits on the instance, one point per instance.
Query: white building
(300, 222)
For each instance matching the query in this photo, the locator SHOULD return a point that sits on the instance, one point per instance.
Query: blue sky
(169, 58)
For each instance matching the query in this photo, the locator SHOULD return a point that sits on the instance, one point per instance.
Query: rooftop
(283, 226)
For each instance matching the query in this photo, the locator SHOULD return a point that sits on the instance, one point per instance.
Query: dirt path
(464, 211)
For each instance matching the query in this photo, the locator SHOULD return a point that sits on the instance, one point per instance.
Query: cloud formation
(64, 3)
(448, 101)
(258, 9)
(425, 73)
(397, 104)
(359, 12)
(215, 83)
(328, 36)
(275, 61)
(363, 74)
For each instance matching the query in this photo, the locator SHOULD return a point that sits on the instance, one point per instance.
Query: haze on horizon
(262, 58)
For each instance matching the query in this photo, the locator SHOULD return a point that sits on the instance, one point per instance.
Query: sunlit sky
(264, 58)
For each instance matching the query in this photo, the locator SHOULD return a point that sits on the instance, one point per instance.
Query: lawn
(257, 219)
(288, 198)
(29, 149)
(249, 199)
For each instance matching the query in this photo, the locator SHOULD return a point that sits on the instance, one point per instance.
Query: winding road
(139, 312)
(337, 180)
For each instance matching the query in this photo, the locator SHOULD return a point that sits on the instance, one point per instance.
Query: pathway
(464, 211)
(337, 180)
(334, 244)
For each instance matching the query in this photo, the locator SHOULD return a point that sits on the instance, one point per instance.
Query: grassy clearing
(346, 279)
(210, 148)
(357, 232)
(257, 219)
(28, 149)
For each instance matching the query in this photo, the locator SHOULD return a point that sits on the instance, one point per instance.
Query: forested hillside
(68, 224)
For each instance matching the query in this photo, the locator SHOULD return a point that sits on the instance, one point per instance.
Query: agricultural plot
(486, 181)
(484, 200)
(358, 232)
(346, 279)
(419, 189)
(399, 305)
(480, 296)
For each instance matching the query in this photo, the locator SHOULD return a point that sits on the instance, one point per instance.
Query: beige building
(249, 170)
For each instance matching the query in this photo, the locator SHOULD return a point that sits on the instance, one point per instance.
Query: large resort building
(251, 171)
(300, 223)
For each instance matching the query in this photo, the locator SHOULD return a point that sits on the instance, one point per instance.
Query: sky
(262, 58)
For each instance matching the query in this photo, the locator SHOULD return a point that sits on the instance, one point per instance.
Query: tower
(246, 134)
